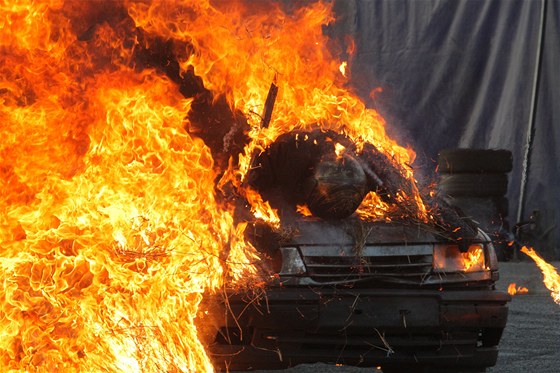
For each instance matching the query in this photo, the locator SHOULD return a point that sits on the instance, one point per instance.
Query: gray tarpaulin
(462, 73)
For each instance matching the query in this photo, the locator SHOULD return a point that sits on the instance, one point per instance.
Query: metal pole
(532, 119)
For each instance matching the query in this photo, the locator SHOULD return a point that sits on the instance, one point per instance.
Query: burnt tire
(473, 185)
(475, 161)
(500, 205)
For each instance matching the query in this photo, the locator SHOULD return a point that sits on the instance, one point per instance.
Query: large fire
(111, 230)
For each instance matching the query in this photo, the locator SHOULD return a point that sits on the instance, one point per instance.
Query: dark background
(466, 73)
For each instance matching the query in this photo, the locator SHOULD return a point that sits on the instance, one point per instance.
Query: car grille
(345, 263)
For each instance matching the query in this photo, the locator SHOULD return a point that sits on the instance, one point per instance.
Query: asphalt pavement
(531, 340)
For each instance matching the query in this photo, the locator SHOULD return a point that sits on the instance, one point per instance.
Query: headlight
(448, 258)
(291, 262)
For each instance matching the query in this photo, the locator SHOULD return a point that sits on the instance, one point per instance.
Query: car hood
(358, 253)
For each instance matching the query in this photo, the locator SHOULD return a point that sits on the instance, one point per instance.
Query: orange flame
(110, 232)
(473, 259)
(513, 289)
(260, 41)
(551, 278)
(450, 257)
(373, 207)
(304, 210)
(343, 66)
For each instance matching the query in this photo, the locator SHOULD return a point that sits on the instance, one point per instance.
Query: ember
(128, 131)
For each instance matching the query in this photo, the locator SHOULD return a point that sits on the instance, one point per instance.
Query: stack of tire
(476, 182)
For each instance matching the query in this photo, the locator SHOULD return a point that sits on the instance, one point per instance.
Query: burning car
(400, 299)
(406, 295)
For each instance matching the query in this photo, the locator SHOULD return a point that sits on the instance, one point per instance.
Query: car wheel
(474, 160)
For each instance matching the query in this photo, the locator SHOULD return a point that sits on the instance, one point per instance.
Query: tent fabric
(543, 188)
(449, 74)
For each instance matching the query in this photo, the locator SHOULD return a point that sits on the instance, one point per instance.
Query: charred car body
(400, 298)
(345, 290)
(404, 295)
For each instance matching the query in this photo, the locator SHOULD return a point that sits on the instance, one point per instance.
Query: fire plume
(551, 277)
(513, 289)
(111, 230)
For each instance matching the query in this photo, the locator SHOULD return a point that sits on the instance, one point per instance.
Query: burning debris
(133, 160)
(331, 175)
(513, 289)
(324, 171)
(551, 277)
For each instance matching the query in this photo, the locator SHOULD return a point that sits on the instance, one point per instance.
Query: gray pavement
(531, 341)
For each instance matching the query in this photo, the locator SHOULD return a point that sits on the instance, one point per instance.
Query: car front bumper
(367, 327)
